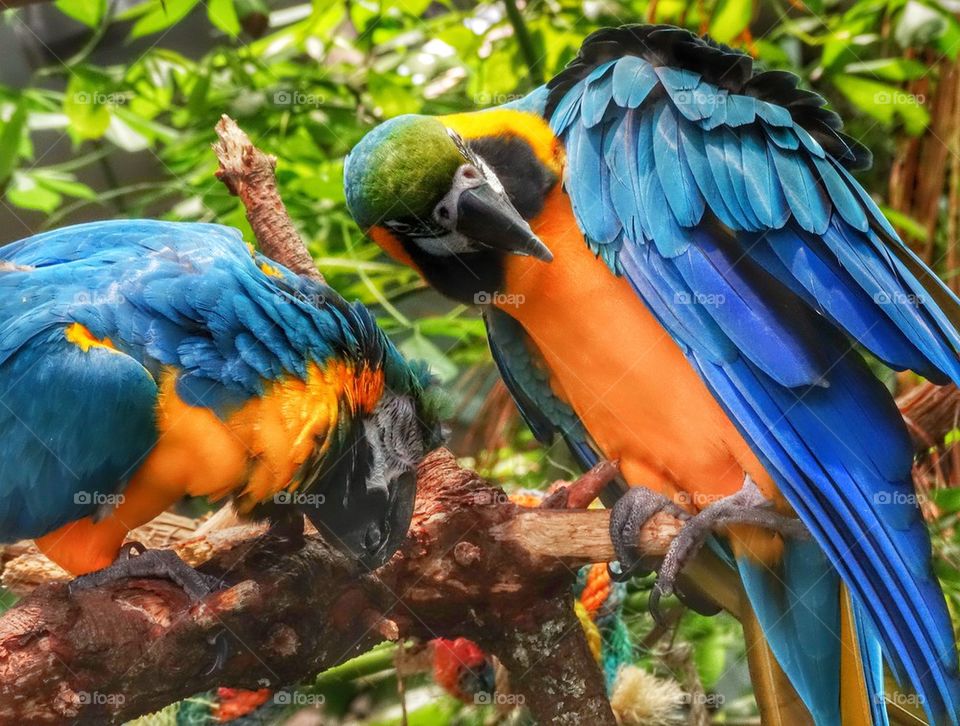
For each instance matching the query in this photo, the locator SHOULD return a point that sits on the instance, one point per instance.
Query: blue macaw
(141, 361)
(676, 267)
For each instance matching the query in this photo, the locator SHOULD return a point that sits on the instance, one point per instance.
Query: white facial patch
(450, 244)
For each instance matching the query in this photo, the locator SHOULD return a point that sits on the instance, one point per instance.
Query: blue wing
(74, 425)
(725, 198)
(190, 296)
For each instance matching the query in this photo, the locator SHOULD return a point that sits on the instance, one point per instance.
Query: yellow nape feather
(509, 122)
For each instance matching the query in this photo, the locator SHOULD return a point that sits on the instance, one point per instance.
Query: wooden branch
(249, 174)
(474, 565)
(930, 413)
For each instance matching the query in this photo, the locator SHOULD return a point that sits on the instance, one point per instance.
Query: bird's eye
(372, 537)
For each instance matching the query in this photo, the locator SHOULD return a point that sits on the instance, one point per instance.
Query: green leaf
(10, 141)
(884, 102)
(889, 69)
(25, 192)
(223, 15)
(122, 135)
(86, 105)
(948, 500)
(392, 94)
(162, 16)
(88, 12)
(904, 222)
(67, 184)
(730, 18)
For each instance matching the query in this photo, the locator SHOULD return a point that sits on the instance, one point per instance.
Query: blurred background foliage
(107, 109)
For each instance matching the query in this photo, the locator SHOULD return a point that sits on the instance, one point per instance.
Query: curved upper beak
(487, 216)
(372, 528)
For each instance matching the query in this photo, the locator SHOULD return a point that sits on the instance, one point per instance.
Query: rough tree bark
(249, 174)
(474, 565)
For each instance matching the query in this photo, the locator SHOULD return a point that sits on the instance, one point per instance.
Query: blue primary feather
(741, 110)
(763, 191)
(871, 654)
(807, 199)
(801, 258)
(76, 424)
(594, 105)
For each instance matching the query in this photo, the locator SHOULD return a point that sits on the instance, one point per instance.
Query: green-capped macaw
(677, 268)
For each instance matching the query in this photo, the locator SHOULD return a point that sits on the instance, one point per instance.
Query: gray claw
(746, 506)
(150, 563)
(633, 510)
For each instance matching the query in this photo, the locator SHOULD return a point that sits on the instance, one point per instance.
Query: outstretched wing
(724, 196)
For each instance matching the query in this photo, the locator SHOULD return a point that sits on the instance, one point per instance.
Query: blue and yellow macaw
(676, 268)
(142, 361)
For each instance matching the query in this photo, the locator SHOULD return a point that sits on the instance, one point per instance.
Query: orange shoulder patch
(81, 336)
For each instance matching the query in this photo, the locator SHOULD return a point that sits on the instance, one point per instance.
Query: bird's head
(434, 203)
(463, 670)
(365, 486)
(358, 486)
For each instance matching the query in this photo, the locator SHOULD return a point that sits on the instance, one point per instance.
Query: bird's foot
(135, 560)
(747, 506)
(630, 513)
(288, 530)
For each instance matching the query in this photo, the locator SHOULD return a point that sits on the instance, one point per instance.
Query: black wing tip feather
(719, 64)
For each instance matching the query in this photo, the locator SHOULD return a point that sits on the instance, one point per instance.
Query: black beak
(368, 523)
(486, 216)
(370, 527)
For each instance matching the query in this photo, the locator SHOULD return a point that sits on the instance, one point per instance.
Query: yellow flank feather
(854, 698)
(292, 421)
(777, 701)
(508, 122)
(80, 336)
(269, 270)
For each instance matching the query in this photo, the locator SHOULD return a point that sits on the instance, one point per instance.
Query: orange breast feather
(622, 373)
